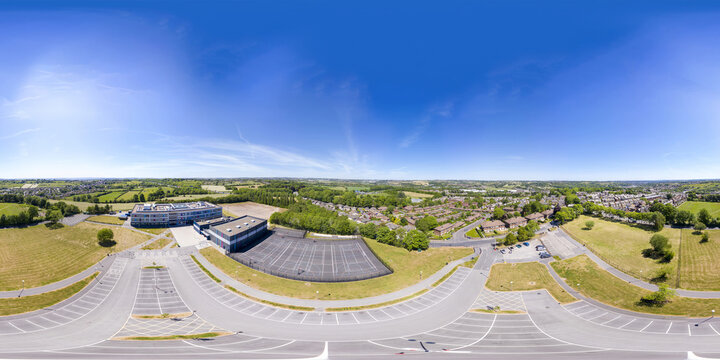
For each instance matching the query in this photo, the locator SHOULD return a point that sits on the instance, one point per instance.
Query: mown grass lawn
(107, 219)
(407, 268)
(19, 305)
(526, 276)
(695, 206)
(585, 276)
(622, 245)
(473, 233)
(156, 231)
(42, 256)
(700, 262)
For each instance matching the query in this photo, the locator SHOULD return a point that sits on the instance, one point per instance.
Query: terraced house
(173, 214)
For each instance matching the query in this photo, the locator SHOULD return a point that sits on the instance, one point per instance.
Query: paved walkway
(633, 280)
(322, 304)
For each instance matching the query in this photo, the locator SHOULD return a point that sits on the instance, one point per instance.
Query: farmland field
(41, 256)
(192, 197)
(695, 206)
(128, 196)
(110, 197)
(11, 208)
(415, 195)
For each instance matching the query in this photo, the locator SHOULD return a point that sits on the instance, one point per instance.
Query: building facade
(161, 215)
(233, 235)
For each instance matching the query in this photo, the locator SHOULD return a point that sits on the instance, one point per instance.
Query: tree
(699, 226)
(384, 235)
(658, 221)
(53, 216)
(105, 238)
(704, 217)
(659, 243)
(142, 197)
(32, 212)
(589, 224)
(684, 217)
(510, 239)
(427, 223)
(498, 213)
(415, 240)
(368, 230)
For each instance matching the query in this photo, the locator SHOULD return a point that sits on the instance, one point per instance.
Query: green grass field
(526, 276)
(110, 197)
(695, 206)
(42, 256)
(585, 276)
(8, 209)
(19, 305)
(107, 219)
(622, 245)
(407, 267)
(699, 265)
(156, 231)
(192, 197)
(128, 195)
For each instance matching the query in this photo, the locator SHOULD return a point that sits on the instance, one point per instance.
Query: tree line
(388, 198)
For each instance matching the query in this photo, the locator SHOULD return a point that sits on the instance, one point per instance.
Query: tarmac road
(437, 327)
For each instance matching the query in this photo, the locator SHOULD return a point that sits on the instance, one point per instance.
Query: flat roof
(213, 221)
(238, 225)
(195, 205)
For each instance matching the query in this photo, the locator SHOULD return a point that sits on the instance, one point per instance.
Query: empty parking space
(485, 334)
(249, 307)
(286, 253)
(156, 294)
(622, 321)
(69, 311)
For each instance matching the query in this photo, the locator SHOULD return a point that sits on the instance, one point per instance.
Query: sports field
(526, 276)
(699, 265)
(251, 208)
(585, 276)
(695, 206)
(41, 256)
(8, 209)
(407, 267)
(622, 245)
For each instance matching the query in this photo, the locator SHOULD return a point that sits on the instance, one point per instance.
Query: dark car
(544, 255)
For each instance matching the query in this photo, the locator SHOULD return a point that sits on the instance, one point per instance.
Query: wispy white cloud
(442, 111)
(21, 132)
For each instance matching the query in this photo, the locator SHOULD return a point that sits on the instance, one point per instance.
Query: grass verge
(106, 219)
(157, 244)
(585, 276)
(205, 270)
(163, 316)
(526, 276)
(19, 305)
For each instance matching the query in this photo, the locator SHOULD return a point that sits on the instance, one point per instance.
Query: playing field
(695, 206)
(699, 265)
(622, 245)
(8, 209)
(41, 256)
(526, 276)
(407, 267)
(584, 275)
(215, 188)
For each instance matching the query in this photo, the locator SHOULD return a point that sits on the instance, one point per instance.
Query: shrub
(705, 237)
(659, 297)
(105, 238)
(589, 224)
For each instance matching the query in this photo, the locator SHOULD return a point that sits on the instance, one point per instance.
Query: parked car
(518, 246)
(540, 248)
(526, 243)
(545, 255)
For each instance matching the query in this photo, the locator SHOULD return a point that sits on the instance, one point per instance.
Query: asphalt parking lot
(523, 253)
(248, 307)
(66, 311)
(156, 294)
(288, 254)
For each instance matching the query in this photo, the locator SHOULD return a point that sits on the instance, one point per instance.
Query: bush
(589, 224)
(659, 243)
(705, 237)
(699, 226)
(105, 238)
(668, 256)
(659, 297)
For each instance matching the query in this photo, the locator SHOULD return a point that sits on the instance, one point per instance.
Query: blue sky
(603, 90)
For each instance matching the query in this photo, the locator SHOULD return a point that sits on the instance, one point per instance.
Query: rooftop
(173, 206)
(238, 225)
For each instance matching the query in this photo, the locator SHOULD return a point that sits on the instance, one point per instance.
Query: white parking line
(628, 323)
(668, 329)
(646, 326)
(612, 319)
(712, 327)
